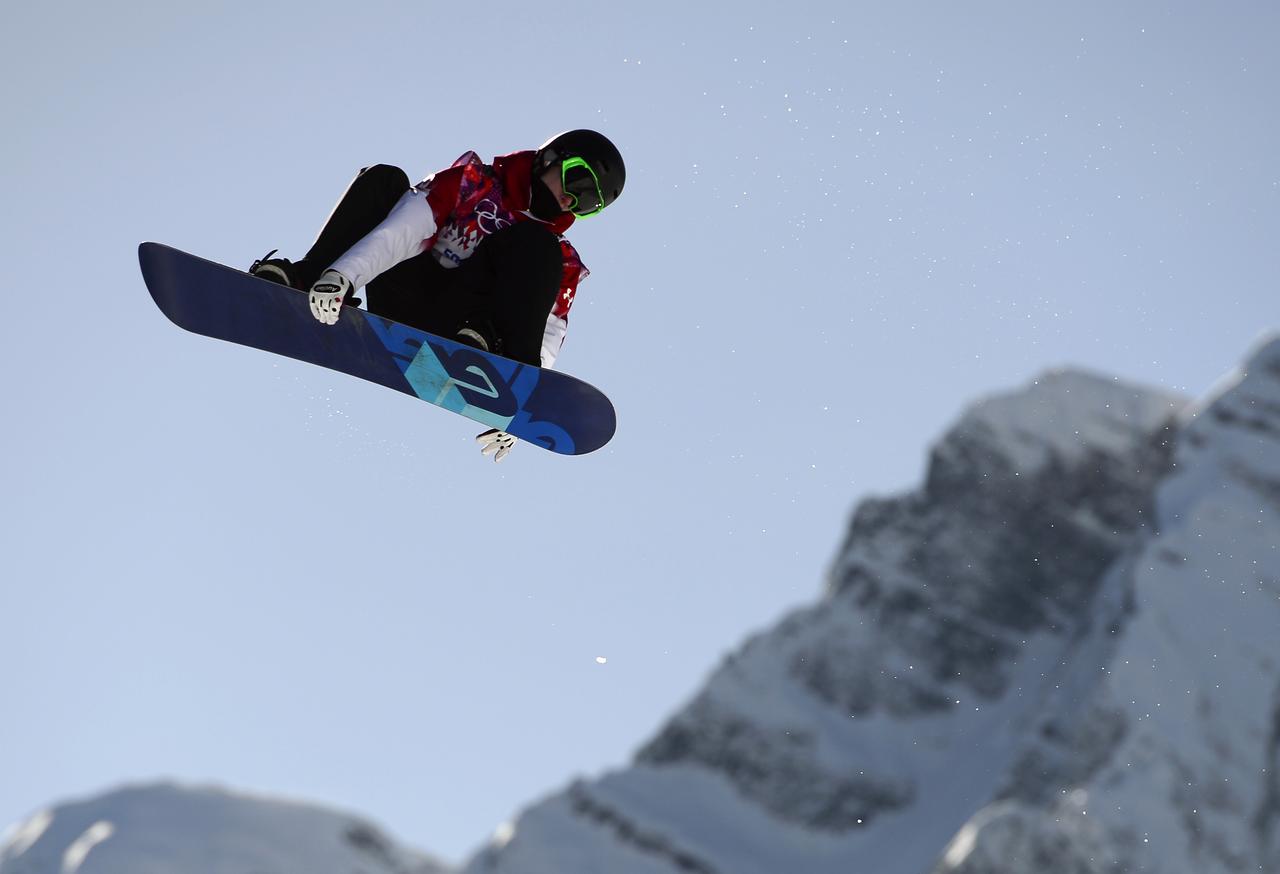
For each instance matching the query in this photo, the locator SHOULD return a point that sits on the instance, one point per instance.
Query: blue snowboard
(550, 409)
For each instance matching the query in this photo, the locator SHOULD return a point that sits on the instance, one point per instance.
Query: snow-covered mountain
(1061, 653)
(170, 829)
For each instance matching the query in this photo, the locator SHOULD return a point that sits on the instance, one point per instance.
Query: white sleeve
(552, 339)
(400, 236)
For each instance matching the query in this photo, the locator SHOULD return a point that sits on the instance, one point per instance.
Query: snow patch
(80, 848)
(20, 838)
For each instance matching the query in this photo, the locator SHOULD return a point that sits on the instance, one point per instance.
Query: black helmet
(600, 155)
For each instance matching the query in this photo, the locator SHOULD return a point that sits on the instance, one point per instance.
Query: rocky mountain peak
(1056, 654)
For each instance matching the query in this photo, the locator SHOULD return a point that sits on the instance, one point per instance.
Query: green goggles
(580, 182)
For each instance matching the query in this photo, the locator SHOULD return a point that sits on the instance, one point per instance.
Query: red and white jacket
(449, 213)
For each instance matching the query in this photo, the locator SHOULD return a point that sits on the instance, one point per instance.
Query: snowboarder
(475, 252)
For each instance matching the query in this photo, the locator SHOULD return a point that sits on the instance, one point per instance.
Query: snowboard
(543, 407)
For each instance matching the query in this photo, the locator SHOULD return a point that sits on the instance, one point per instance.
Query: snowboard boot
(277, 270)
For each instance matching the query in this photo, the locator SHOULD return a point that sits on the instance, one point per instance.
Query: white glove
(327, 294)
(496, 443)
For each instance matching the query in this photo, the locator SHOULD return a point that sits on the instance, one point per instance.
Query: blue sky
(841, 225)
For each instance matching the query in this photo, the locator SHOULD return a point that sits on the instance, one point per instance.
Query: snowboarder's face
(551, 178)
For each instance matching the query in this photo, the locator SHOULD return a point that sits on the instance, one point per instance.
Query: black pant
(504, 290)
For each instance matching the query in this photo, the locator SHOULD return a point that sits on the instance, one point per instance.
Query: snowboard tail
(544, 407)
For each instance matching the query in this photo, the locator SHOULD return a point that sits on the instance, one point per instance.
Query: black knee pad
(386, 177)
